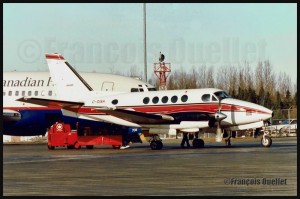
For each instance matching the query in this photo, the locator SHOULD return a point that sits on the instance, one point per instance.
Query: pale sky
(99, 37)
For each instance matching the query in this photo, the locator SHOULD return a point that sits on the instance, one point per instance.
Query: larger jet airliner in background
(26, 119)
(157, 112)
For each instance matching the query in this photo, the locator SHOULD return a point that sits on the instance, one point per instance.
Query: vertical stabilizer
(68, 83)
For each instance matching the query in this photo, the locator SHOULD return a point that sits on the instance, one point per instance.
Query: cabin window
(174, 99)
(50, 93)
(23, 93)
(3, 93)
(184, 98)
(206, 98)
(36, 93)
(9, 93)
(146, 100)
(29, 93)
(17, 93)
(114, 102)
(151, 89)
(43, 93)
(141, 90)
(164, 99)
(155, 100)
(134, 90)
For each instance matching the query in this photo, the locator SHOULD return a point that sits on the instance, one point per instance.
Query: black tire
(89, 146)
(267, 142)
(116, 146)
(159, 145)
(198, 143)
(156, 145)
(51, 147)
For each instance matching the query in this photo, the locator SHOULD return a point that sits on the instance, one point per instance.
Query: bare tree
(283, 83)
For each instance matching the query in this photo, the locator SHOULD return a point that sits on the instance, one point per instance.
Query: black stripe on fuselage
(81, 79)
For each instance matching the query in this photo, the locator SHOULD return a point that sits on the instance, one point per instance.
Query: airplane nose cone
(267, 113)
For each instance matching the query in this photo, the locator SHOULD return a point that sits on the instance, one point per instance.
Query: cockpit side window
(222, 95)
(206, 98)
(214, 98)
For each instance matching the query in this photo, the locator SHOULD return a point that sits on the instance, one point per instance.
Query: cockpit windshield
(222, 95)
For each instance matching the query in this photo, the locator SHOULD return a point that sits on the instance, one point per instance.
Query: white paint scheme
(17, 84)
(129, 108)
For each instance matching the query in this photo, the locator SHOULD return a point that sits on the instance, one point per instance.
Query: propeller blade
(219, 135)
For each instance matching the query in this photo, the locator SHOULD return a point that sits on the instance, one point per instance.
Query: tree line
(260, 84)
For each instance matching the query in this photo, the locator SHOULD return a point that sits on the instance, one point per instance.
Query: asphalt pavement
(244, 169)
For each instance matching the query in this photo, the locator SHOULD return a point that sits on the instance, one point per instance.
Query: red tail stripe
(55, 56)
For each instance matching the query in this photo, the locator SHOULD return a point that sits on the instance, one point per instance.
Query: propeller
(219, 116)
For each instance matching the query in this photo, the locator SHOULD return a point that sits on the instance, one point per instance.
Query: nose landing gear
(266, 140)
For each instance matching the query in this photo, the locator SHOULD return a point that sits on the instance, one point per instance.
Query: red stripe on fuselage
(165, 109)
(172, 108)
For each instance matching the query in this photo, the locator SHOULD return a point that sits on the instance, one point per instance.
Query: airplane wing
(136, 117)
(52, 103)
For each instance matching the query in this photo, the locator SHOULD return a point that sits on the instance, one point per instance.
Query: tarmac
(244, 169)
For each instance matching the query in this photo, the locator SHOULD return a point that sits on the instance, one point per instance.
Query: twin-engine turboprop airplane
(157, 112)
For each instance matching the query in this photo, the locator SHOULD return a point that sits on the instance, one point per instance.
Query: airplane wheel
(159, 145)
(51, 147)
(116, 146)
(156, 145)
(89, 146)
(198, 143)
(267, 142)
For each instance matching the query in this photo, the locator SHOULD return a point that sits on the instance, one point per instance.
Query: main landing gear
(227, 141)
(156, 143)
(198, 143)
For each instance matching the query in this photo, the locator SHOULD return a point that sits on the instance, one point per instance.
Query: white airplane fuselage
(188, 108)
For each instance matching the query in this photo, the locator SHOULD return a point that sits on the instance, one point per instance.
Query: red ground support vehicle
(60, 135)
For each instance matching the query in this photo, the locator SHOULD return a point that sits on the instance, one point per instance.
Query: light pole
(145, 50)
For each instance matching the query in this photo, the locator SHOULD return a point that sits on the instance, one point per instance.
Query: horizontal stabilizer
(52, 103)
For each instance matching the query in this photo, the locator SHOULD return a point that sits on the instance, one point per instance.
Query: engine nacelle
(162, 131)
(10, 115)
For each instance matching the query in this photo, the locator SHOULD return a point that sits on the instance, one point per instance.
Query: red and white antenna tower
(162, 70)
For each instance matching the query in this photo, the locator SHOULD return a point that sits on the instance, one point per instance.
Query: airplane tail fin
(68, 83)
